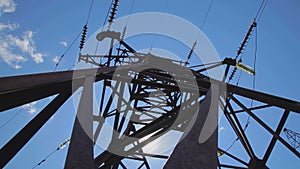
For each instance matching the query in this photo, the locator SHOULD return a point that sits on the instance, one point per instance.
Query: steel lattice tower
(143, 103)
(147, 88)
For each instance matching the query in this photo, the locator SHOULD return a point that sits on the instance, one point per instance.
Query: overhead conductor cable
(60, 147)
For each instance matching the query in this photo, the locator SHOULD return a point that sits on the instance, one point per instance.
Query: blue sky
(34, 34)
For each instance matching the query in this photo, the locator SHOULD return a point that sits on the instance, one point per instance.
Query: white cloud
(55, 59)
(222, 129)
(7, 6)
(9, 56)
(64, 43)
(13, 48)
(9, 27)
(32, 110)
(17, 66)
(26, 45)
(30, 107)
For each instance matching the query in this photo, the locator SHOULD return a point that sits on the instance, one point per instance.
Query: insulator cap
(83, 36)
(113, 11)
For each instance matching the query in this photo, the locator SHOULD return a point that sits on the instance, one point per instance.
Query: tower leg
(81, 150)
(199, 151)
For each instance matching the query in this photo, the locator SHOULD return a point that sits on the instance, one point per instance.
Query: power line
(127, 21)
(89, 13)
(201, 27)
(85, 28)
(261, 9)
(104, 22)
(253, 87)
(254, 64)
(254, 77)
(107, 13)
(247, 37)
(165, 7)
(12, 117)
(76, 38)
(60, 147)
(66, 51)
(206, 15)
(242, 47)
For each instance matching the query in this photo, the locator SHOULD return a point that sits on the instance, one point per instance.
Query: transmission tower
(293, 137)
(143, 104)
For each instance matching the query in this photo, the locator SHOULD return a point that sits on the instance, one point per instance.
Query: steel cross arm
(10, 86)
(265, 98)
(19, 90)
(271, 100)
(111, 56)
(17, 83)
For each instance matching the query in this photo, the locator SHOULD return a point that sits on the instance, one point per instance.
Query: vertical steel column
(81, 149)
(189, 152)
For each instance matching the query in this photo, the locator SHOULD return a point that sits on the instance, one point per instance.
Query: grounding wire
(12, 117)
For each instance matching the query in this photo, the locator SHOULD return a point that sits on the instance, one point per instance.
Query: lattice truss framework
(147, 105)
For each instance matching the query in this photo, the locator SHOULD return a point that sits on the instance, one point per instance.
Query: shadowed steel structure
(143, 103)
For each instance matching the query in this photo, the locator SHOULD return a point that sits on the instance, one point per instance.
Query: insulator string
(113, 12)
(201, 27)
(127, 21)
(83, 36)
(248, 34)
